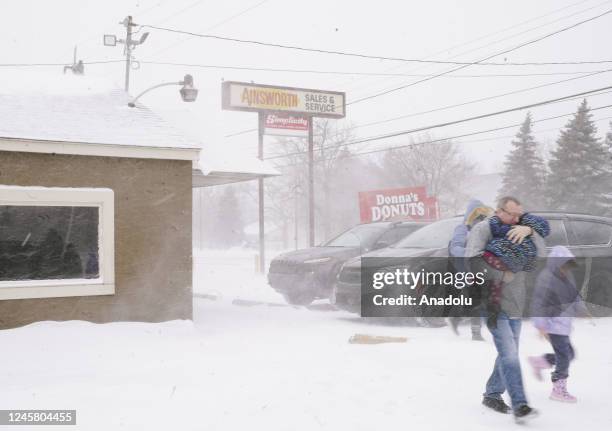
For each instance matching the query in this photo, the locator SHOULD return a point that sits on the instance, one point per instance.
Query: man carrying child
(505, 247)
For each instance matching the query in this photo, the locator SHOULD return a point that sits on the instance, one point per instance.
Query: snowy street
(282, 368)
(197, 196)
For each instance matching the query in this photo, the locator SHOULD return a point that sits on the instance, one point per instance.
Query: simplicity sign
(241, 96)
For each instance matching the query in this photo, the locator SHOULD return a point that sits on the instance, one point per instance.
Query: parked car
(302, 276)
(588, 237)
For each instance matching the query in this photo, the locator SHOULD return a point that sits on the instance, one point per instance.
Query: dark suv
(302, 276)
(588, 237)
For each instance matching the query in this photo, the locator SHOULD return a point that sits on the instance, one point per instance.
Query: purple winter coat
(556, 299)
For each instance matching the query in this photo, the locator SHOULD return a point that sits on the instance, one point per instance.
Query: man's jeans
(564, 353)
(507, 369)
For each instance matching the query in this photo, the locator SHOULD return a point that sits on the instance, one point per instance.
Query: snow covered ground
(271, 368)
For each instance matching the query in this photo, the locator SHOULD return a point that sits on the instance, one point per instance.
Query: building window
(56, 242)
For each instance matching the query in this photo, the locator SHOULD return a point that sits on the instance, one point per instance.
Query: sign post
(283, 102)
(260, 188)
(311, 215)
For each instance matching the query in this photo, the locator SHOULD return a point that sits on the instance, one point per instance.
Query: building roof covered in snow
(83, 115)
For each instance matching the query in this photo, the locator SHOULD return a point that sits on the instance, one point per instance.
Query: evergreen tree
(580, 178)
(524, 170)
(228, 224)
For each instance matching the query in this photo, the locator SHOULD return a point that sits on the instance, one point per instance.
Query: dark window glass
(557, 235)
(435, 235)
(394, 235)
(48, 242)
(590, 233)
(359, 236)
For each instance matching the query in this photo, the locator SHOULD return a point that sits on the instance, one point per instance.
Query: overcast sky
(469, 30)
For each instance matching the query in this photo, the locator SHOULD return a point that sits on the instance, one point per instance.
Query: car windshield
(359, 236)
(435, 235)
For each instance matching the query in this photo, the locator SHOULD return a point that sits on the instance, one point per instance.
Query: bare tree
(287, 195)
(441, 167)
(330, 140)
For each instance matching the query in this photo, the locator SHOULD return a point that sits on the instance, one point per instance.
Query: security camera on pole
(291, 110)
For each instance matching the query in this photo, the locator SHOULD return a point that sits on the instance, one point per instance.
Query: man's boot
(524, 413)
(496, 404)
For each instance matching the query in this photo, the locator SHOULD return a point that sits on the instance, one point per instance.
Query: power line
(152, 7)
(181, 11)
(483, 99)
(352, 128)
(522, 45)
(463, 120)
(240, 133)
(57, 64)
(432, 141)
(409, 115)
(512, 35)
(234, 16)
(529, 29)
(376, 57)
(456, 105)
(355, 73)
(535, 132)
(534, 28)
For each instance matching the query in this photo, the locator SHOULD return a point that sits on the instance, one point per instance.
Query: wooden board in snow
(375, 339)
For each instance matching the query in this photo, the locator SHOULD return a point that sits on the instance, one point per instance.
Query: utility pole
(130, 44)
(127, 22)
(295, 211)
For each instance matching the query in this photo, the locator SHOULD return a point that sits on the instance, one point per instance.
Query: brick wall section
(153, 266)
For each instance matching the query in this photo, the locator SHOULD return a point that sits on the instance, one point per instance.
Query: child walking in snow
(556, 301)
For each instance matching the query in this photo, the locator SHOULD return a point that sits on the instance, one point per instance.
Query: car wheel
(432, 316)
(299, 298)
(600, 293)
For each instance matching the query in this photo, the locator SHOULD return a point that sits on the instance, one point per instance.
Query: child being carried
(509, 257)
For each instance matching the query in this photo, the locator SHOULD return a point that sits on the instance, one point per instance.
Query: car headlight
(319, 260)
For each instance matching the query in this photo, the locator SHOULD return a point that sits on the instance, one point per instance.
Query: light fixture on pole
(188, 92)
(130, 44)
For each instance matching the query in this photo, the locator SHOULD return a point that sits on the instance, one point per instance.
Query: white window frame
(101, 198)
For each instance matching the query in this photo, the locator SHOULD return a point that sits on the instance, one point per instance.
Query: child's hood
(475, 208)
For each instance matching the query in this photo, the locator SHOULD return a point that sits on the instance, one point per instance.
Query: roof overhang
(215, 169)
(94, 149)
(218, 178)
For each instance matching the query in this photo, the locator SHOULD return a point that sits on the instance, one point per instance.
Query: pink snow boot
(538, 363)
(559, 392)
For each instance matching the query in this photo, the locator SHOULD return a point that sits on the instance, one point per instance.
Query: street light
(188, 92)
(130, 45)
(110, 40)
